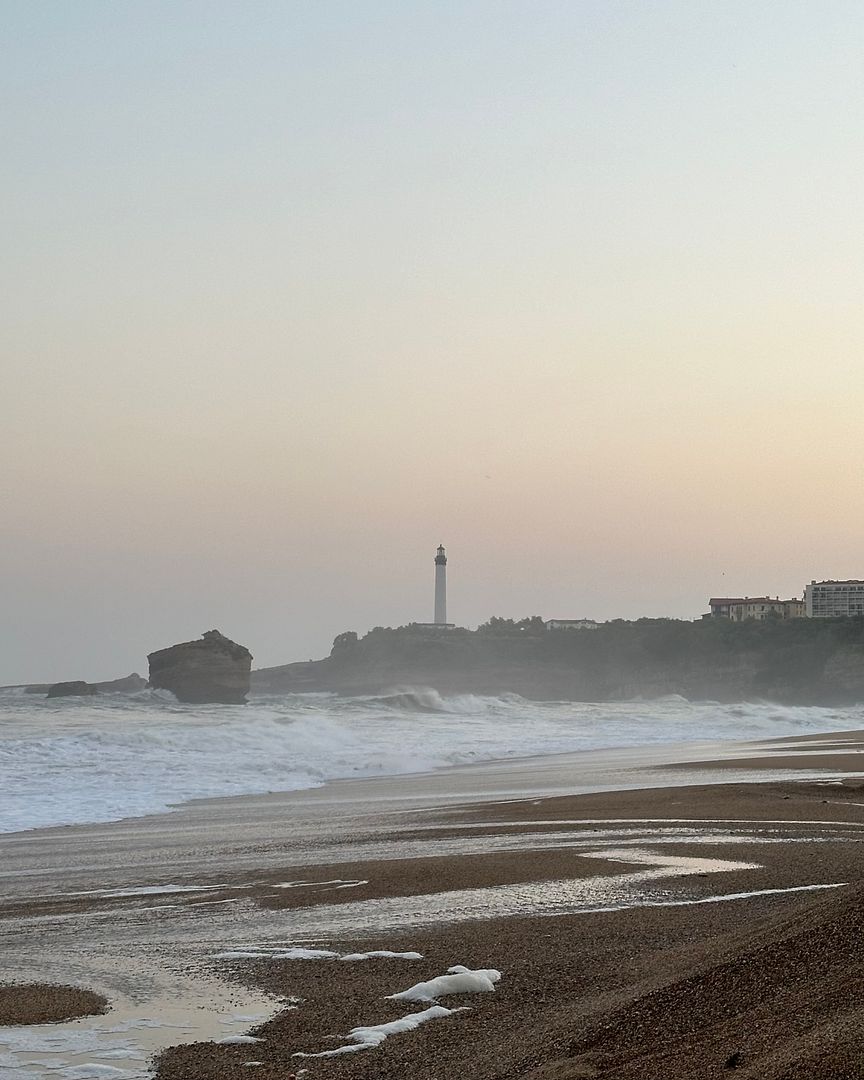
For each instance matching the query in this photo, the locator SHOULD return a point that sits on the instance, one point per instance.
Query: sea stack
(211, 669)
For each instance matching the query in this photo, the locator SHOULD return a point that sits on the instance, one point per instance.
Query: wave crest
(424, 699)
(75, 760)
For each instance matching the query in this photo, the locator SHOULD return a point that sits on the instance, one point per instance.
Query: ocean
(78, 760)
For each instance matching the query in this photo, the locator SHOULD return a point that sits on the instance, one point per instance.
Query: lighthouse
(440, 586)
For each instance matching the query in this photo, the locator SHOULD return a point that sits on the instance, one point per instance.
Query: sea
(70, 761)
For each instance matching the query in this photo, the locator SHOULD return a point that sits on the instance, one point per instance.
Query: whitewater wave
(75, 760)
(427, 700)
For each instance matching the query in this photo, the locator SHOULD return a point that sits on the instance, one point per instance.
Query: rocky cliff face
(211, 669)
(845, 669)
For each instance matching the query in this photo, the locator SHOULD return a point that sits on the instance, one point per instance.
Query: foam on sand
(458, 980)
(306, 954)
(277, 954)
(301, 953)
(93, 1071)
(383, 954)
(336, 883)
(366, 1038)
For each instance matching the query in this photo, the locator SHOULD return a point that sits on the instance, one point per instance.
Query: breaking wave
(76, 760)
(427, 700)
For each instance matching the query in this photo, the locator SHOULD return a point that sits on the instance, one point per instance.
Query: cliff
(799, 661)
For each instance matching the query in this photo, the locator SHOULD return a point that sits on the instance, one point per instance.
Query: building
(739, 608)
(441, 586)
(571, 624)
(834, 599)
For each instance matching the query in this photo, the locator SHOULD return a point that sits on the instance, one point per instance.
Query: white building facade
(834, 599)
(571, 624)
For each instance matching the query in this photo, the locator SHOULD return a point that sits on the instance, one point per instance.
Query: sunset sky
(292, 292)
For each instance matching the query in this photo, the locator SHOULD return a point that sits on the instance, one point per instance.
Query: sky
(292, 292)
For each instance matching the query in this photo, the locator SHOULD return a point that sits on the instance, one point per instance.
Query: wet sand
(585, 902)
(568, 977)
(26, 1003)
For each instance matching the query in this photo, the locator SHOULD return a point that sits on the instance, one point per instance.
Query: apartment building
(834, 599)
(738, 608)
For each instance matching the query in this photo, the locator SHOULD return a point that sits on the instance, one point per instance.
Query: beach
(588, 880)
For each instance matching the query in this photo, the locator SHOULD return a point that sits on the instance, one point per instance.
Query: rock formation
(78, 688)
(129, 684)
(212, 669)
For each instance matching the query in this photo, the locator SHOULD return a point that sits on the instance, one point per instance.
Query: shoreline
(232, 752)
(494, 866)
(611, 768)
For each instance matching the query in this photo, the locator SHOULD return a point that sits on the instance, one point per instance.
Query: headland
(795, 661)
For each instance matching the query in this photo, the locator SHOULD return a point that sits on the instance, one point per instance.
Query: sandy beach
(638, 904)
(432, 591)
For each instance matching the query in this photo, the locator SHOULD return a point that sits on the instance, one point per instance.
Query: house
(571, 624)
(739, 608)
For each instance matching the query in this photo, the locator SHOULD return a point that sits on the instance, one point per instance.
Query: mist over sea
(76, 760)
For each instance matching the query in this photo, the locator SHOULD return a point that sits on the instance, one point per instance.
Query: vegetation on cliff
(798, 660)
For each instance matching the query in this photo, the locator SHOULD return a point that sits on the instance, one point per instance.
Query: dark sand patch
(835, 762)
(416, 877)
(320, 883)
(788, 800)
(36, 1003)
(788, 1006)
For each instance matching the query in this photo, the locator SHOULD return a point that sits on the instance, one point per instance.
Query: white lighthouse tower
(440, 586)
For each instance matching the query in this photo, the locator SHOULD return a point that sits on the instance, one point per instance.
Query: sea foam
(77, 760)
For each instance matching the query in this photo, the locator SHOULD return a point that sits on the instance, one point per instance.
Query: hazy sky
(292, 292)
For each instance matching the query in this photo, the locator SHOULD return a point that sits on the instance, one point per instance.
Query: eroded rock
(211, 669)
(129, 684)
(76, 688)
